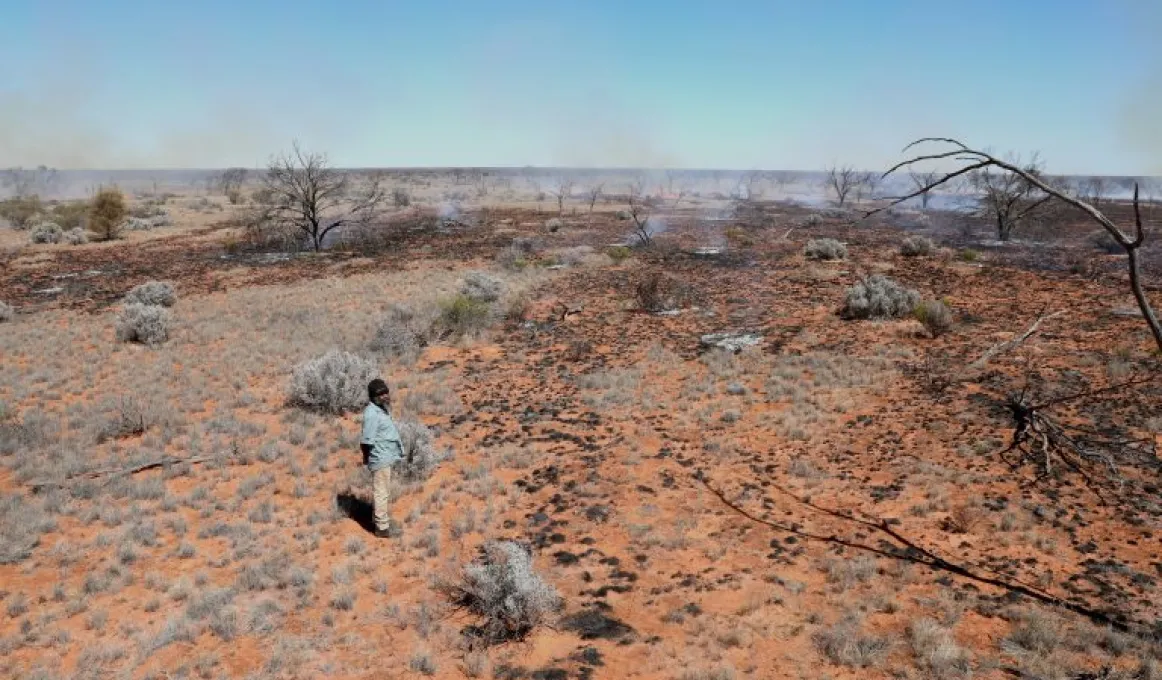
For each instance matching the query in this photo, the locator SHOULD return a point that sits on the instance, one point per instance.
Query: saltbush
(825, 249)
(463, 315)
(879, 297)
(75, 237)
(481, 287)
(402, 333)
(935, 315)
(334, 383)
(160, 293)
(420, 455)
(916, 246)
(46, 232)
(146, 324)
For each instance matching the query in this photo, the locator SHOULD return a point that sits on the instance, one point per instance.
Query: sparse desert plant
(825, 249)
(146, 324)
(70, 214)
(916, 246)
(618, 254)
(75, 237)
(937, 651)
(513, 258)
(481, 287)
(402, 333)
(421, 662)
(846, 644)
(659, 292)
(107, 213)
(969, 255)
(503, 590)
(7, 312)
(420, 455)
(554, 224)
(400, 197)
(46, 232)
(462, 315)
(160, 293)
(19, 211)
(935, 315)
(334, 383)
(878, 297)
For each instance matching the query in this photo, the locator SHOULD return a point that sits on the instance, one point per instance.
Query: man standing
(381, 449)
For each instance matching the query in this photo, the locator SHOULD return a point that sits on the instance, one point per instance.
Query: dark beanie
(377, 387)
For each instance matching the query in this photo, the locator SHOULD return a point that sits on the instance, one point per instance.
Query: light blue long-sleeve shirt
(380, 433)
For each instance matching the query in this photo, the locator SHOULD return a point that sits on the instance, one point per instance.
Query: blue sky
(778, 84)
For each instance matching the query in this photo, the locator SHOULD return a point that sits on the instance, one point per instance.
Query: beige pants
(381, 497)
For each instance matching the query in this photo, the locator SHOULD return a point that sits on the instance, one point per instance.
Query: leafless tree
(1008, 199)
(975, 161)
(25, 182)
(1094, 190)
(307, 194)
(230, 183)
(639, 213)
(842, 180)
(865, 184)
(923, 179)
(594, 193)
(564, 190)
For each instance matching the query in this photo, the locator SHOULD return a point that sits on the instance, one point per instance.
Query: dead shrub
(504, 592)
(937, 651)
(659, 292)
(403, 333)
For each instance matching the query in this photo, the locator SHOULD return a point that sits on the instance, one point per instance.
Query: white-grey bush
(916, 246)
(75, 237)
(335, 382)
(554, 224)
(161, 293)
(481, 287)
(7, 313)
(825, 249)
(503, 590)
(878, 297)
(420, 455)
(46, 232)
(146, 324)
(403, 332)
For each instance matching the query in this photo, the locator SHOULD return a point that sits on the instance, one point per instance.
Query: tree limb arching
(977, 160)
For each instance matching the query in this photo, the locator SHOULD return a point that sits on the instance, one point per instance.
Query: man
(381, 447)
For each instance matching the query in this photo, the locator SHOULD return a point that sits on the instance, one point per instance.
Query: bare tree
(230, 183)
(1006, 198)
(1093, 190)
(594, 193)
(923, 179)
(974, 161)
(564, 190)
(842, 180)
(309, 195)
(639, 212)
(25, 182)
(865, 184)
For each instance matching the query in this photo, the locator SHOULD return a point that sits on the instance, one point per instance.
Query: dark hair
(377, 387)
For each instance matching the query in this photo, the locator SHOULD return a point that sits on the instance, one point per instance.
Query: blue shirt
(380, 433)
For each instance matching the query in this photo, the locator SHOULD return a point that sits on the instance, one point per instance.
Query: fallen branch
(168, 461)
(1013, 343)
(908, 551)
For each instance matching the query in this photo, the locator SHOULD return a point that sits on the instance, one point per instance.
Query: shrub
(420, 455)
(7, 313)
(935, 315)
(554, 225)
(502, 589)
(75, 237)
(107, 213)
(846, 644)
(481, 287)
(70, 214)
(825, 249)
(969, 255)
(401, 197)
(937, 650)
(618, 253)
(402, 333)
(46, 232)
(335, 382)
(812, 220)
(659, 292)
(1105, 242)
(159, 293)
(513, 258)
(20, 210)
(878, 297)
(146, 324)
(462, 315)
(915, 246)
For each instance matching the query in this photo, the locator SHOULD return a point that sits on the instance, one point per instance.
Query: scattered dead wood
(111, 473)
(1013, 343)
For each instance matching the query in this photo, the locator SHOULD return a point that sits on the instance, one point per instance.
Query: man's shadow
(357, 509)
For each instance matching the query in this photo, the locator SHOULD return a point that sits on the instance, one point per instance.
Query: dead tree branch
(110, 473)
(1013, 343)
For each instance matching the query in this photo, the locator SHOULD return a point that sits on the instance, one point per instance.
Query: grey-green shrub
(481, 287)
(916, 246)
(825, 249)
(161, 293)
(878, 297)
(402, 332)
(75, 237)
(503, 590)
(420, 455)
(146, 324)
(46, 232)
(335, 382)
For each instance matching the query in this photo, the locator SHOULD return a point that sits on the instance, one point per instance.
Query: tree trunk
(1004, 229)
(1140, 296)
